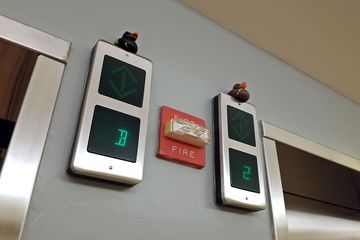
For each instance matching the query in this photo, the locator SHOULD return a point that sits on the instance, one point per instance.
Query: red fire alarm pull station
(182, 138)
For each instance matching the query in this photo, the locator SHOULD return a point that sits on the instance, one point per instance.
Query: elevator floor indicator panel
(110, 141)
(238, 156)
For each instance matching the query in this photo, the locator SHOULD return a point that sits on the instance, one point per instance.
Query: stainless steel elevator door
(314, 190)
(313, 220)
(322, 198)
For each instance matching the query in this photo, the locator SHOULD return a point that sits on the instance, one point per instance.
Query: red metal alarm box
(177, 151)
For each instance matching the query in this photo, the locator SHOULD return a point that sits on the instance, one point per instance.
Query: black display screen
(240, 126)
(114, 134)
(122, 81)
(243, 171)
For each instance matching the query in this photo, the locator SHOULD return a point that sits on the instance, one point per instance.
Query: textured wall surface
(194, 59)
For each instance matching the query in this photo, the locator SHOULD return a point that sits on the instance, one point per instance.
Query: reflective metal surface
(23, 156)
(231, 195)
(309, 176)
(313, 220)
(303, 217)
(34, 39)
(96, 165)
(24, 153)
(278, 212)
(291, 139)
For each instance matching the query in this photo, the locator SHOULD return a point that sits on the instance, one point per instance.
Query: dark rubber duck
(127, 42)
(239, 92)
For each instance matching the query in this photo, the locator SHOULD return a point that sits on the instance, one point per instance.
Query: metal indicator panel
(110, 142)
(238, 156)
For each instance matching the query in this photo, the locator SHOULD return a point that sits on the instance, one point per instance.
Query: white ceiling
(318, 37)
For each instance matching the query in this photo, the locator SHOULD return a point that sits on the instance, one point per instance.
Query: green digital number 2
(246, 172)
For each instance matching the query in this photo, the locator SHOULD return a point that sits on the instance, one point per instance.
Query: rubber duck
(127, 42)
(239, 92)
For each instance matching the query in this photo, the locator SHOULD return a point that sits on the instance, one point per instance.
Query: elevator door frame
(23, 157)
(272, 134)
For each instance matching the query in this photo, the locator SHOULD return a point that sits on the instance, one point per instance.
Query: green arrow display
(122, 81)
(240, 126)
(122, 92)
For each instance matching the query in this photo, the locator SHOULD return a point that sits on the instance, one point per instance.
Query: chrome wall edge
(275, 191)
(280, 135)
(34, 39)
(23, 158)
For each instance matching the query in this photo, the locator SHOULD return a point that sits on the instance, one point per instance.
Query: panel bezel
(94, 165)
(230, 195)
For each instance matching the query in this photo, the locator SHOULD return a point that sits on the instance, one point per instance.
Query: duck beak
(243, 85)
(135, 35)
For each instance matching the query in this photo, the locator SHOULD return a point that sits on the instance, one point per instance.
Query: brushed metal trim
(272, 134)
(34, 39)
(231, 195)
(280, 135)
(23, 157)
(312, 220)
(95, 165)
(277, 206)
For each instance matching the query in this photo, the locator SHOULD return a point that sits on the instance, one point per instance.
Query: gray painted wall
(194, 59)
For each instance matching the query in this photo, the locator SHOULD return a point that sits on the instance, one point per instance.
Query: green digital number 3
(246, 172)
(122, 138)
